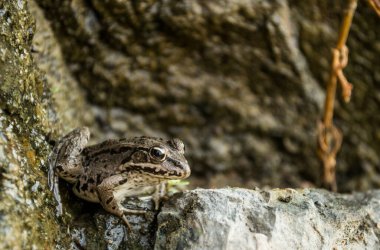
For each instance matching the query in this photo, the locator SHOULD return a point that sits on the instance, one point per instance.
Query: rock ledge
(234, 218)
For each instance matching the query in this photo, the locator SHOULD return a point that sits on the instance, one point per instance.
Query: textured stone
(241, 82)
(31, 104)
(275, 219)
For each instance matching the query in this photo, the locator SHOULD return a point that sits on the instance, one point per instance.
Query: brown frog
(109, 172)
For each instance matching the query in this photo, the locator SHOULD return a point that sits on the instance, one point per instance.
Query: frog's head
(160, 158)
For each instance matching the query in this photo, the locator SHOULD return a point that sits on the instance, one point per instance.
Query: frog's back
(106, 157)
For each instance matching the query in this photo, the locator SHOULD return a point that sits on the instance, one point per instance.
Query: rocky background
(241, 82)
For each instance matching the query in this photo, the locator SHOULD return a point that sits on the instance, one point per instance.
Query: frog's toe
(133, 211)
(156, 200)
(124, 218)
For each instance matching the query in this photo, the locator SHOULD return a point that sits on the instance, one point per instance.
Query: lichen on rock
(28, 124)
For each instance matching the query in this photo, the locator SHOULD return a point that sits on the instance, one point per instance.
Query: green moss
(26, 205)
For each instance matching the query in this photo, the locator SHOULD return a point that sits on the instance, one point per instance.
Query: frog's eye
(158, 153)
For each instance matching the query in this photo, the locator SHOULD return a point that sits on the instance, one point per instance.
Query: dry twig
(375, 4)
(330, 137)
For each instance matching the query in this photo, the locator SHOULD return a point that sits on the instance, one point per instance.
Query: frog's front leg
(65, 160)
(159, 194)
(111, 203)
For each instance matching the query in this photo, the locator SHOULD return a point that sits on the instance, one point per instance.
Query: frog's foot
(134, 211)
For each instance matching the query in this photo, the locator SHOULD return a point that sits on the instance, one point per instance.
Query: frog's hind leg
(65, 159)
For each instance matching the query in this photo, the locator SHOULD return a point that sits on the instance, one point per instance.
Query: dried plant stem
(375, 4)
(330, 137)
(341, 45)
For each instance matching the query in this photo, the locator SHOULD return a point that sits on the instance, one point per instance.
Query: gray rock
(277, 219)
(241, 82)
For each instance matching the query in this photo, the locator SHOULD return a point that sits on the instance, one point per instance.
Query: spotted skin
(110, 171)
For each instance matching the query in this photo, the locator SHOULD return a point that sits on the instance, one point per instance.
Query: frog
(116, 169)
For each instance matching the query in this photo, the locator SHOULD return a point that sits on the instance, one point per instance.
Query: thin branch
(331, 85)
(375, 4)
(330, 137)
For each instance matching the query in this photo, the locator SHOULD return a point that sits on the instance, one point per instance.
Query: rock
(97, 229)
(234, 218)
(33, 108)
(241, 82)
(27, 217)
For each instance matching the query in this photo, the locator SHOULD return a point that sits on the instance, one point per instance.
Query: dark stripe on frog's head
(175, 163)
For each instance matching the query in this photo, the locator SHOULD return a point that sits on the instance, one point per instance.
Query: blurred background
(240, 82)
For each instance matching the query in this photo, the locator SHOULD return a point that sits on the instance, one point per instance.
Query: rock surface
(235, 218)
(241, 82)
(26, 118)
(276, 219)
